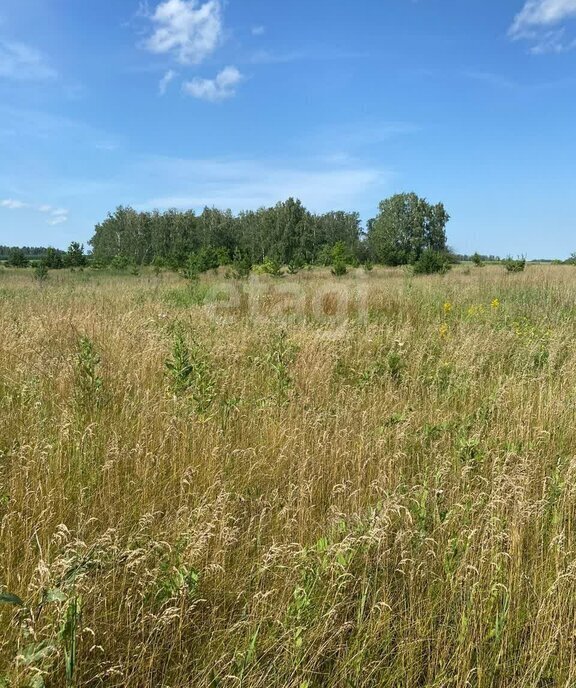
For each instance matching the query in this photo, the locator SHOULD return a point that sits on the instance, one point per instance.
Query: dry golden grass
(372, 493)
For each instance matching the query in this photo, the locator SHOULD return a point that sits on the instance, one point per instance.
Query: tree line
(49, 257)
(407, 230)
(29, 252)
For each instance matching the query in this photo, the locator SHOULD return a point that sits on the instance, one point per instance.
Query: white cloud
(539, 21)
(12, 204)
(217, 89)
(21, 62)
(258, 30)
(187, 29)
(58, 220)
(543, 13)
(165, 81)
(56, 215)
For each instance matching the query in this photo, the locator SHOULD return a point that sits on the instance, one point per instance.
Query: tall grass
(194, 493)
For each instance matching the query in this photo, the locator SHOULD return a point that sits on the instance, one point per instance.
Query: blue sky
(241, 103)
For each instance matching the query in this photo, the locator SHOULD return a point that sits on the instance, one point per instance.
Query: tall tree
(405, 228)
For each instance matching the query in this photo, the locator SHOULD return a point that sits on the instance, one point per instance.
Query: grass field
(299, 482)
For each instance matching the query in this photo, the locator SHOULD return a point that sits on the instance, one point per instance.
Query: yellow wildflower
(443, 331)
(447, 307)
(495, 304)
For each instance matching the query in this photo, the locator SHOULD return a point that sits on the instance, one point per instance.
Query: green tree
(41, 272)
(53, 259)
(17, 258)
(477, 260)
(75, 257)
(405, 227)
(339, 259)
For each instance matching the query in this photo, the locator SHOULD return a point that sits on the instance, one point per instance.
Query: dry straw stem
(380, 496)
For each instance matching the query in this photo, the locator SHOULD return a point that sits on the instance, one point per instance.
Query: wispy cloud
(491, 79)
(21, 62)
(502, 82)
(540, 21)
(359, 134)
(58, 220)
(316, 54)
(258, 30)
(186, 29)
(12, 204)
(241, 184)
(165, 81)
(222, 87)
(56, 216)
(21, 124)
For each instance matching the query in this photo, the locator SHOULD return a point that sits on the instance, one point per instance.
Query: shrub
(517, 265)
(269, 267)
(41, 272)
(223, 256)
(431, 262)
(477, 260)
(207, 259)
(191, 270)
(158, 263)
(241, 267)
(339, 268)
(17, 258)
(119, 262)
(53, 259)
(295, 265)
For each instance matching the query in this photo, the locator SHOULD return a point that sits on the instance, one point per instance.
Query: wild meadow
(303, 481)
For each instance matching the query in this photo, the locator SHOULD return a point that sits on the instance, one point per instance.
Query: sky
(242, 103)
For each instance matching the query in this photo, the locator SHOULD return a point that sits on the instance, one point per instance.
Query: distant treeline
(407, 230)
(464, 258)
(29, 252)
(50, 258)
(286, 233)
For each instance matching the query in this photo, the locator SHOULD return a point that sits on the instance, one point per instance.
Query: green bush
(17, 259)
(41, 272)
(431, 262)
(517, 265)
(477, 260)
(119, 262)
(269, 267)
(241, 267)
(339, 268)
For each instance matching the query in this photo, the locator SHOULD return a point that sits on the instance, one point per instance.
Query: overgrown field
(300, 482)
